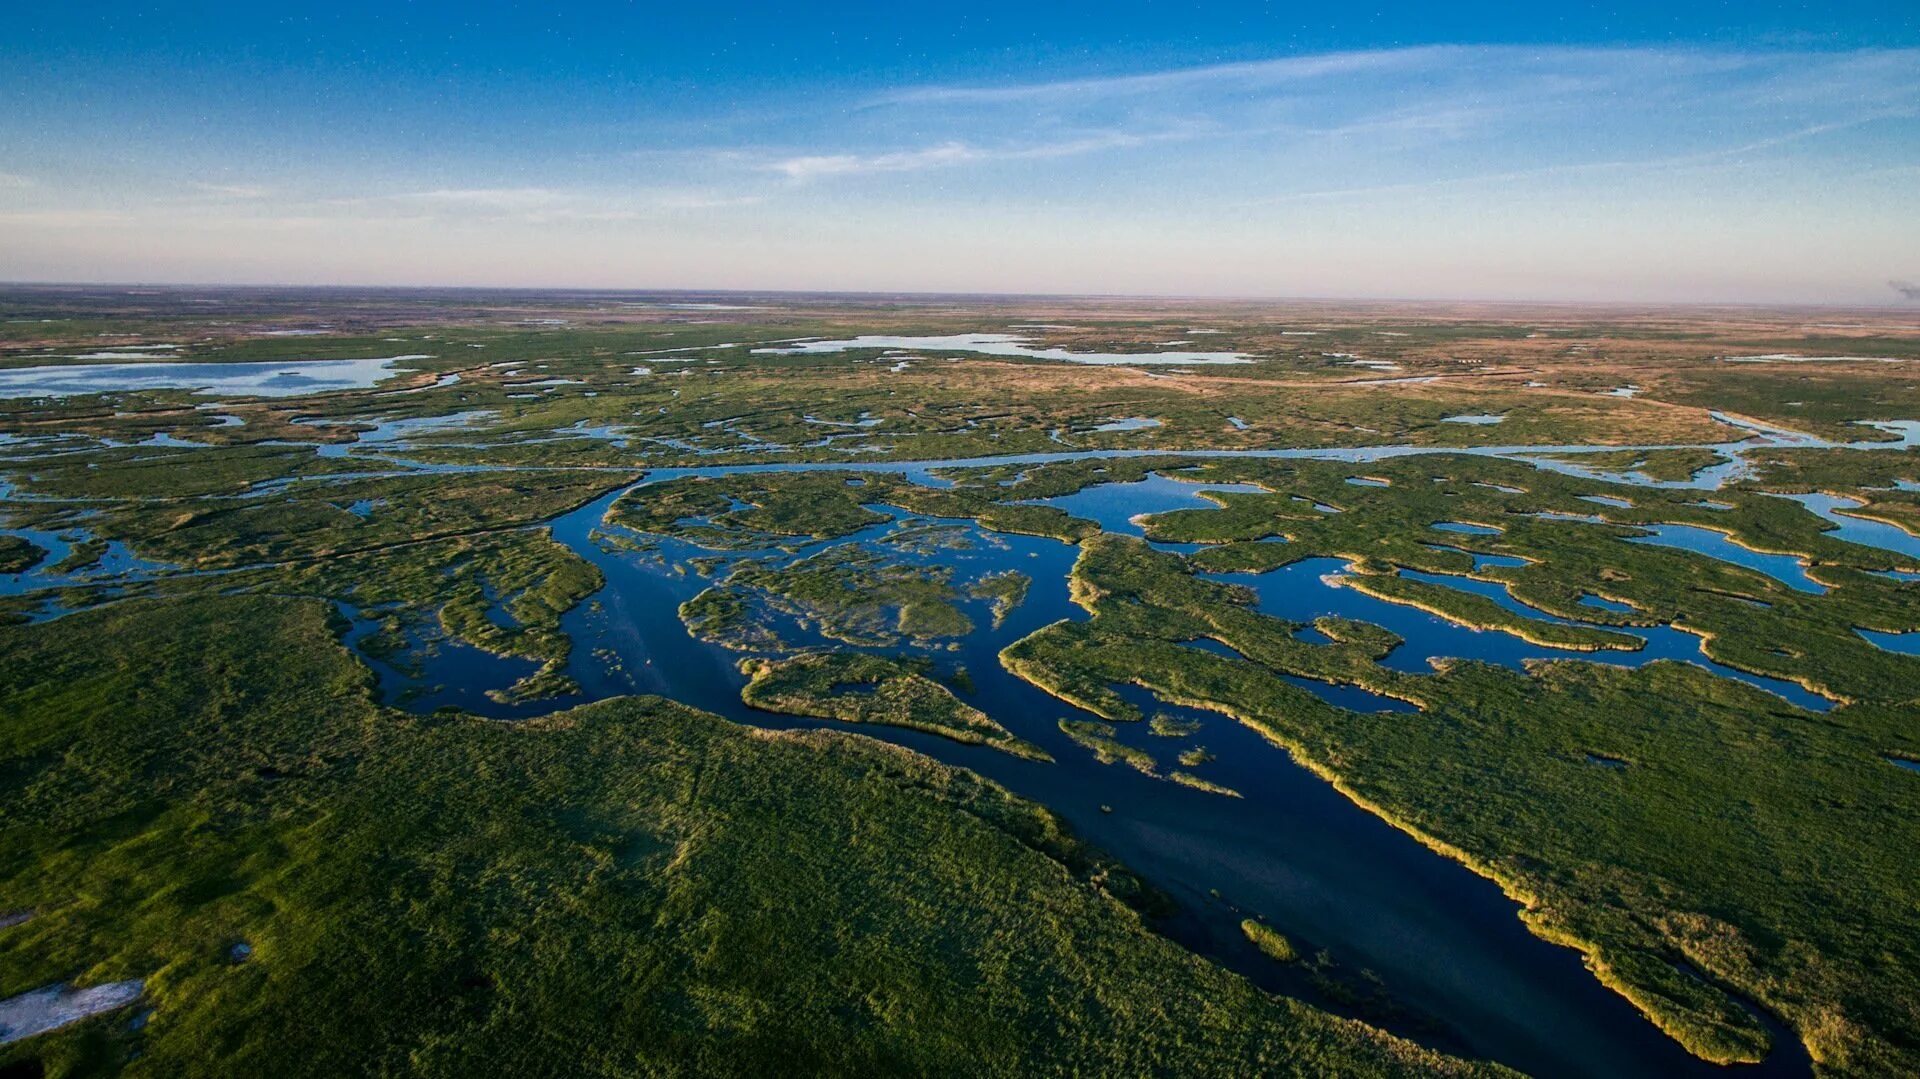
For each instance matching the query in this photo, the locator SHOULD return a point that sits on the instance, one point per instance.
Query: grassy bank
(625, 888)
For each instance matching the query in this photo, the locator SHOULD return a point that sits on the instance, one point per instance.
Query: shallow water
(1131, 423)
(1907, 644)
(1300, 592)
(1115, 507)
(1293, 850)
(1445, 941)
(1859, 530)
(1002, 344)
(274, 379)
(117, 565)
(1789, 570)
(1605, 604)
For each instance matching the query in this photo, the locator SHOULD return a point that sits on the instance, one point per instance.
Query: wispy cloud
(1267, 73)
(817, 166)
(14, 181)
(814, 166)
(1425, 114)
(490, 198)
(1719, 155)
(233, 191)
(544, 205)
(66, 218)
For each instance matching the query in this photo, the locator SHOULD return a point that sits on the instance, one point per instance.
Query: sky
(1716, 152)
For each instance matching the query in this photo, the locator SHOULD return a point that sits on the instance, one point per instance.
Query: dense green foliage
(847, 593)
(191, 762)
(1269, 940)
(855, 687)
(1763, 846)
(18, 555)
(626, 888)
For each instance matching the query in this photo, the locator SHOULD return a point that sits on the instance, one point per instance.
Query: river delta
(1482, 713)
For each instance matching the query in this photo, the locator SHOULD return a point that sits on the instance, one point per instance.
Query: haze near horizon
(1609, 154)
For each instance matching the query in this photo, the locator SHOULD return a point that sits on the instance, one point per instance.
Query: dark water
(1299, 592)
(1445, 943)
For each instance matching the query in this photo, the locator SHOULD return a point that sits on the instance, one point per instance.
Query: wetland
(1577, 742)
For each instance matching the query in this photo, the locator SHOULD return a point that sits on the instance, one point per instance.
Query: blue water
(1131, 423)
(117, 565)
(1113, 506)
(1481, 561)
(1907, 644)
(1859, 530)
(1605, 604)
(274, 379)
(1292, 849)
(1352, 698)
(1297, 593)
(1788, 569)
(1445, 942)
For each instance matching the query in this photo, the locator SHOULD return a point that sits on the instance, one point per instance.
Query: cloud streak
(233, 191)
(1256, 73)
(1217, 177)
(955, 152)
(1354, 115)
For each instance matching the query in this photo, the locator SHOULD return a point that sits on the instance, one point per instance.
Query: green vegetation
(625, 888)
(1480, 612)
(1269, 940)
(1098, 737)
(83, 555)
(192, 761)
(1188, 779)
(1667, 466)
(853, 687)
(1167, 725)
(751, 511)
(311, 520)
(1728, 848)
(1006, 588)
(1195, 756)
(18, 555)
(847, 593)
(1742, 614)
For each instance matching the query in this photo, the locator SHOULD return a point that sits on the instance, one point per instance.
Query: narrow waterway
(1444, 943)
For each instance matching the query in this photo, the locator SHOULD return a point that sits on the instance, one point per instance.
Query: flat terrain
(639, 682)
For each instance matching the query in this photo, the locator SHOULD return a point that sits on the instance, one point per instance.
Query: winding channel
(1445, 943)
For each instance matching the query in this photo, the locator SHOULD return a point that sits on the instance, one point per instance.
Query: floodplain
(1401, 686)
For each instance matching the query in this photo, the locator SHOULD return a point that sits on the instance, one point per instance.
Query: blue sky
(1745, 152)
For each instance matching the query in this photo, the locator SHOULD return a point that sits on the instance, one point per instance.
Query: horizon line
(1890, 306)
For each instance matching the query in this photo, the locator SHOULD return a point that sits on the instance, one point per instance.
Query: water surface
(274, 379)
(1002, 344)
